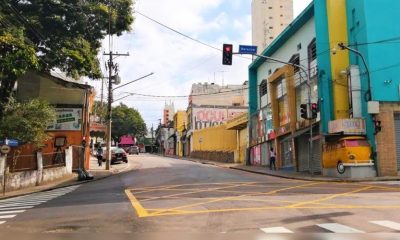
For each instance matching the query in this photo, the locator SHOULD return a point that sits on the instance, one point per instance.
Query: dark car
(133, 150)
(117, 155)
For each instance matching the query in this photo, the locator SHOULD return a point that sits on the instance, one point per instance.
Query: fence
(18, 163)
(53, 159)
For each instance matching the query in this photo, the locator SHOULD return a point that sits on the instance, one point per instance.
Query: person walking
(99, 155)
(272, 157)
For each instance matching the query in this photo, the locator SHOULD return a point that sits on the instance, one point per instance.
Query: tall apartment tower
(269, 18)
(168, 113)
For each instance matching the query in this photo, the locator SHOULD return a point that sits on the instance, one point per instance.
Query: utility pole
(152, 138)
(111, 67)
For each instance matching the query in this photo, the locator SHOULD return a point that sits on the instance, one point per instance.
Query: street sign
(4, 149)
(10, 142)
(245, 49)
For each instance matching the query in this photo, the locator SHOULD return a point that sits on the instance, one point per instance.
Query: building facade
(212, 105)
(168, 113)
(269, 18)
(364, 97)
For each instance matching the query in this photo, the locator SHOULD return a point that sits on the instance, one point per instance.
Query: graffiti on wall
(206, 117)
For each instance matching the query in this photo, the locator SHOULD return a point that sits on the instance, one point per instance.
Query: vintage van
(347, 151)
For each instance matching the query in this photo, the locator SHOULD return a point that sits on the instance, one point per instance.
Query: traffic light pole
(308, 83)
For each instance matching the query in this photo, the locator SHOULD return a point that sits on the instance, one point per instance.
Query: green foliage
(63, 34)
(27, 121)
(100, 110)
(127, 120)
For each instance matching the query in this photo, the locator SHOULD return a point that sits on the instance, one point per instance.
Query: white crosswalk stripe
(339, 228)
(10, 207)
(388, 224)
(276, 230)
(7, 216)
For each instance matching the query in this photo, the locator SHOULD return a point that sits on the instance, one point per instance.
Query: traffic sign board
(5, 149)
(245, 49)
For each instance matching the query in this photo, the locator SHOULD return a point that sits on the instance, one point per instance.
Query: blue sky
(178, 62)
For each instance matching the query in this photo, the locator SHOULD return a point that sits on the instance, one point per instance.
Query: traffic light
(303, 111)
(314, 110)
(227, 50)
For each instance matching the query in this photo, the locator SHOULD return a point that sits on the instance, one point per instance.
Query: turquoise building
(349, 92)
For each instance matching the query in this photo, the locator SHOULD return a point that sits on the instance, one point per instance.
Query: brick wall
(386, 140)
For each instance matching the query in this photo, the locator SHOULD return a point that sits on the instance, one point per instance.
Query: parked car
(117, 155)
(348, 151)
(133, 150)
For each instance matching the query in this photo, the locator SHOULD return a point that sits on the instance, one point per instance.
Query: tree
(126, 121)
(63, 34)
(27, 121)
(100, 110)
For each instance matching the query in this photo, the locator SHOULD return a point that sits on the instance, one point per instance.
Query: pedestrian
(99, 155)
(272, 157)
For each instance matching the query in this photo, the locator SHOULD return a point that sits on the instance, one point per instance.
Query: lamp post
(367, 95)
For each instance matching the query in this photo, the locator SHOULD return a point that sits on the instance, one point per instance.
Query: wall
(386, 140)
(214, 139)
(209, 116)
(25, 179)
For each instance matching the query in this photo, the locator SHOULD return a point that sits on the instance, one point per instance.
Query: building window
(269, 72)
(298, 47)
(271, 27)
(281, 15)
(263, 88)
(312, 51)
(295, 59)
(270, 7)
(271, 37)
(270, 17)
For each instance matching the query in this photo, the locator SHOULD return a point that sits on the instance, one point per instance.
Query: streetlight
(367, 95)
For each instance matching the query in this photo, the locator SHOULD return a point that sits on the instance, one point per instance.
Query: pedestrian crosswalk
(385, 226)
(9, 208)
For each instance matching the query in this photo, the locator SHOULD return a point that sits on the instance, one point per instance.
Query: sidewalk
(284, 173)
(72, 179)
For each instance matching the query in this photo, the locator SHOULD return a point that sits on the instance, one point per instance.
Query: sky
(176, 61)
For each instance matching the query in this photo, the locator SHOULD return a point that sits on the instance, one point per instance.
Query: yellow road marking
(329, 197)
(199, 191)
(272, 208)
(189, 184)
(234, 197)
(141, 211)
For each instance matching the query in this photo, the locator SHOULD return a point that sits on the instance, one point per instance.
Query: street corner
(203, 198)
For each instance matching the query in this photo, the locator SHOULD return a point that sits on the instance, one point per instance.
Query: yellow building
(179, 126)
(221, 143)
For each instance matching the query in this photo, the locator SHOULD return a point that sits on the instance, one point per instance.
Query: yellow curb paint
(141, 211)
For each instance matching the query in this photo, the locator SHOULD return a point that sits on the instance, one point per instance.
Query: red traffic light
(314, 106)
(228, 48)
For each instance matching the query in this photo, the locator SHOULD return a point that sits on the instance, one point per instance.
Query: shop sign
(67, 119)
(348, 126)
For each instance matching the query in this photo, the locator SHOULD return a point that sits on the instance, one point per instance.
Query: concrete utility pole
(152, 138)
(111, 67)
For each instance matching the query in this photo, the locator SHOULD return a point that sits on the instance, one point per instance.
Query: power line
(182, 34)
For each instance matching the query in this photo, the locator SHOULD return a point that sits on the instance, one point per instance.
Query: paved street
(164, 195)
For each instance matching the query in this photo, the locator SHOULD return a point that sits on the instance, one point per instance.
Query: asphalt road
(163, 197)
